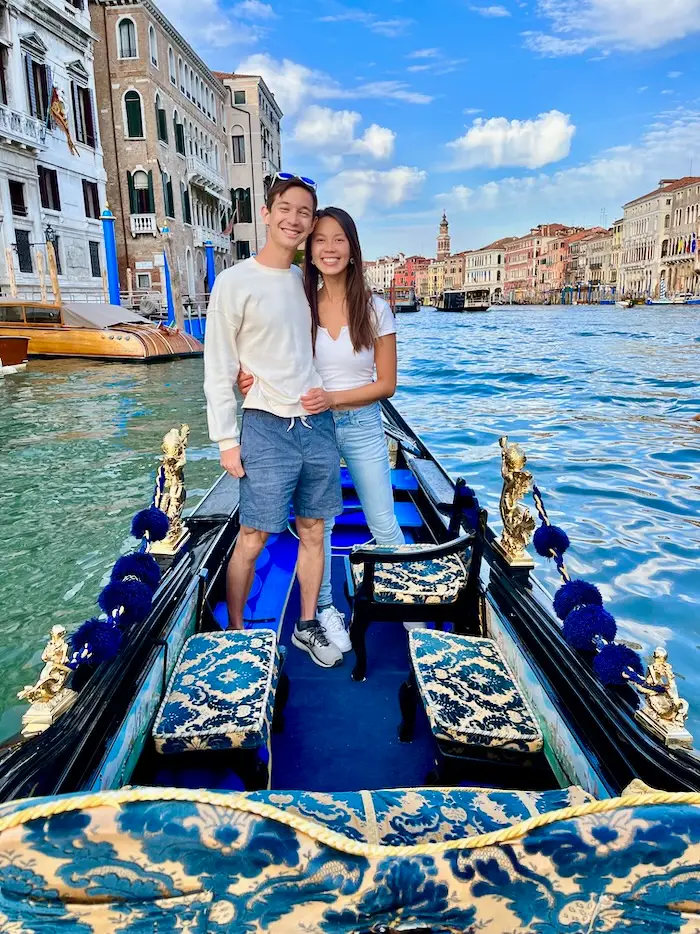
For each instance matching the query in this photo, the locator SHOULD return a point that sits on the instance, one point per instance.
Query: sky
(504, 114)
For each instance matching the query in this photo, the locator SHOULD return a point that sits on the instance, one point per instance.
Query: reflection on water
(602, 399)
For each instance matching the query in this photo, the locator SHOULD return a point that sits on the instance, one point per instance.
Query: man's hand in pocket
(231, 462)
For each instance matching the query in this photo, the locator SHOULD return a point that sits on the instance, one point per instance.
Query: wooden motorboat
(345, 823)
(94, 331)
(13, 354)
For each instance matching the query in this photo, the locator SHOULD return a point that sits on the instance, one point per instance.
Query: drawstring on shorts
(302, 419)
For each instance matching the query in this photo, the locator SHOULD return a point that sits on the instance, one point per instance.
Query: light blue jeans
(362, 446)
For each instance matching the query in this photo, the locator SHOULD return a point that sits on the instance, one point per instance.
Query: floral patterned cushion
(221, 694)
(469, 693)
(140, 860)
(439, 580)
(406, 816)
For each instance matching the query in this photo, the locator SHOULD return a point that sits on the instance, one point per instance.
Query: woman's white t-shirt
(338, 365)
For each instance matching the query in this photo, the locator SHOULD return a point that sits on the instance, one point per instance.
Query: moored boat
(515, 730)
(94, 331)
(13, 354)
(404, 300)
(459, 300)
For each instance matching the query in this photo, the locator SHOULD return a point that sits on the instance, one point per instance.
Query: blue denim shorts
(288, 461)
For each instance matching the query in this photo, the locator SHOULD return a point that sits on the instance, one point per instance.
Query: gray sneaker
(309, 636)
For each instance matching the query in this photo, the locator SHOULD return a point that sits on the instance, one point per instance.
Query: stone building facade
(680, 252)
(252, 118)
(161, 113)
(485, 269)
(49, 192)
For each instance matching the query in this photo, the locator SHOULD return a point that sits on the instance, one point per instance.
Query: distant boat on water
(459, 300)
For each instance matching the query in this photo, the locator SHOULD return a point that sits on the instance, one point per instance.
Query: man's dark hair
(284, 184)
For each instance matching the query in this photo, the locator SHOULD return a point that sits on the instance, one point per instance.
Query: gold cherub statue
(664, 712)
(518, 524)
(171, 498)
(55, 672)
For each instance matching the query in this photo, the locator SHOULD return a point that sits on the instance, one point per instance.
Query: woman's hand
(245, 382)
(316, 401)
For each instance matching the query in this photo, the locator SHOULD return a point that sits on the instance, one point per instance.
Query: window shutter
(31, 90)
(49, 88)
(151, 199)
(133, 205)
(90, 124)
(56, 192)
(77, 113)
(85, 196)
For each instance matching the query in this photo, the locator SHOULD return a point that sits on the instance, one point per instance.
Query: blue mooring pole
(168, 285)
(211, 268)
(107, 219)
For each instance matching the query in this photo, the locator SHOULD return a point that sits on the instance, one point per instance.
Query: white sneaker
(310, 637)
(333, 624)
(409, 626)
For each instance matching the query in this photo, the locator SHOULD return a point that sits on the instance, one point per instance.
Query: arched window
(134, 115)
(181, 73)
(161, 121)
(179, 134)
(243, 206)
(153, 46)
(171, 66)
(238, 145)
(127, 39)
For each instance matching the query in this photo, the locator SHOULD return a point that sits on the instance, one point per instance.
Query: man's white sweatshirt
(258, 320)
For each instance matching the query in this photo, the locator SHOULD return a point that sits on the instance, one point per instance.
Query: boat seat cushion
(438, 580)
(469, 693)
(404, 817)
(221, 694)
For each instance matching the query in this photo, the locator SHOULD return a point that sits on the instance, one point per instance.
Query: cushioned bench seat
(400, 479)
(404, 817)
(469, 693)
(421, 582)
(221, 694)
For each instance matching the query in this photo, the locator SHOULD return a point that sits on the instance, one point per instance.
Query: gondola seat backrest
(149, 859)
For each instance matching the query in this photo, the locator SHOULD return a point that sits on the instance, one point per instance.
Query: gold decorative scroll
(171, 499)
(49, 697)
(518, 523)
(664, 713)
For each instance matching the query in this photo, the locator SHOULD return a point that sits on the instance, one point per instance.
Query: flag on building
(57, 112)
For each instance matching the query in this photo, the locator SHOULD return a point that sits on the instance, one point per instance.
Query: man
(259, 320)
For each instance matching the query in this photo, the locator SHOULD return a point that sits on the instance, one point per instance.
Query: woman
(354, 334)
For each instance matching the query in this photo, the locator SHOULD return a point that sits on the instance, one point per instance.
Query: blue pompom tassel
(549, 538)
(101, 636)
(134, 596)
(469, 505)
(613, 660)
(575, 593)
(586, 622)
(151, 520)
(139, 565)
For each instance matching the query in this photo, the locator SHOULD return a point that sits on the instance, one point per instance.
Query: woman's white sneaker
(333, 624)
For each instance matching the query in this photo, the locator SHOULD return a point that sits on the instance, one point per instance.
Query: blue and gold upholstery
(407, 816)
(221, 694)
(438, 580)
(167, 860)
(470, 694)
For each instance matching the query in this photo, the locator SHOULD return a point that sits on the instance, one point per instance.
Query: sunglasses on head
(288, 176)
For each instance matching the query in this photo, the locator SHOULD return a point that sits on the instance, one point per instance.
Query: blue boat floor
(340, 735)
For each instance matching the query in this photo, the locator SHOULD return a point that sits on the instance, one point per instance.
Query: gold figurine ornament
(518, 523)
(664, 713)
(49, 697)
(171, 499)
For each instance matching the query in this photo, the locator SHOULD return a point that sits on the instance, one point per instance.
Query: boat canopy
(98, 315)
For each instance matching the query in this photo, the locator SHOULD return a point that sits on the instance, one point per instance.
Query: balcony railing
(21, 128)
(143, 224)
(219, 240)
(268, 168)
(205, 176)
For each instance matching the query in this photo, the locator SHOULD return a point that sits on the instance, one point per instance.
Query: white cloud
(443, 66)
(674, 74)
(529, 143)
(295, 85)
(470, 111)
(331, 134)
(644, 87)
(629, 25)
(613, 177)
(424, 53)
(389, 28)
(211, 29)
(491, 11)
(254, 9)
(358, 191)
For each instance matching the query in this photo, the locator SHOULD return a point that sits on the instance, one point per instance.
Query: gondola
(464, 769)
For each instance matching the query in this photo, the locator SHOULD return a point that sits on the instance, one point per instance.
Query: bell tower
(443, 240)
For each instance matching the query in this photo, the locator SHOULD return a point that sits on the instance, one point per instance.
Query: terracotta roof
(668, 184)
(497, 244)
(584, 234)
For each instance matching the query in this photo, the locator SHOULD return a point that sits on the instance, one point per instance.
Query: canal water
(605, 401)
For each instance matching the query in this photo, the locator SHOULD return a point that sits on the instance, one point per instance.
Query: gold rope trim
(321, 834)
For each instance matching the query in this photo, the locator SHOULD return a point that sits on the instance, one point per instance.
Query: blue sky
(507, 114)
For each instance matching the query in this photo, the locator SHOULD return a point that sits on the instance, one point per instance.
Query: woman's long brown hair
(359, 298)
